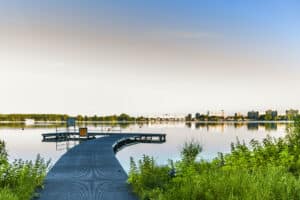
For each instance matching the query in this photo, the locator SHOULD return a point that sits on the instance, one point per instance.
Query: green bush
(20, 179)
(262, 170)
(190, 151)
(7, 194)
(148, 178)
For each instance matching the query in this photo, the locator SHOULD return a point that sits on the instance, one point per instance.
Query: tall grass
(20, 179)
(261, 170)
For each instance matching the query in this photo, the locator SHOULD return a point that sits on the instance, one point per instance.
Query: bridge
(90, 171)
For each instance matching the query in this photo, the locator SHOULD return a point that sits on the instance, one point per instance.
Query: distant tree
(79, 118)
(95, 118)
(86, 118)
(292, 114)
(124, 117)
(262, 117)
(236, 118)
(142, 118)
(268, 116)
(188, 117)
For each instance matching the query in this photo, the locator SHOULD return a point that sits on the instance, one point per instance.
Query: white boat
(29, 122)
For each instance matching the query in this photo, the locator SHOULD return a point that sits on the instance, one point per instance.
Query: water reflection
(271, 126)
(65, 145)
(251, 126)
(268, 126)
(215, 137)
(188, 124)
(22, 126)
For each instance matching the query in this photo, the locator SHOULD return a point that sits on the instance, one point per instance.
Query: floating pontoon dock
(90, 171)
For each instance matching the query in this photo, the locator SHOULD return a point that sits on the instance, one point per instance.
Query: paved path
(89, 171)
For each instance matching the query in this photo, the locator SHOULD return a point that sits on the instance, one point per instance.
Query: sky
(146, 57)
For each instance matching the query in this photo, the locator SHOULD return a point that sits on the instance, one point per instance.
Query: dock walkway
(90, 171)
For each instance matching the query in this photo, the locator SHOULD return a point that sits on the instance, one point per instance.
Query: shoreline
(150, 121)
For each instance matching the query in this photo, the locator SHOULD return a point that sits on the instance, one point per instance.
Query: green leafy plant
(20, 179)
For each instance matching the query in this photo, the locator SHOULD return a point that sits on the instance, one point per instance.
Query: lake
(25, 142)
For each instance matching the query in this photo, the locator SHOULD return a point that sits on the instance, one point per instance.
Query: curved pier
(90, 171)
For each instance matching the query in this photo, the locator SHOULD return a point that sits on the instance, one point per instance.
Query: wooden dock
(90, 171)
(140, 137)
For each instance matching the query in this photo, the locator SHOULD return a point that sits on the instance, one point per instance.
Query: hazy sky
(148, 56)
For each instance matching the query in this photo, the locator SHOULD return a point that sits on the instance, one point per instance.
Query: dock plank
(89, 171)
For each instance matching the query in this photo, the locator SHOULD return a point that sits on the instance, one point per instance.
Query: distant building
(271, 115)
(217, 113)
(229, 118)
(291, 114)
(197, 116)
(253, 115)
(238, 117)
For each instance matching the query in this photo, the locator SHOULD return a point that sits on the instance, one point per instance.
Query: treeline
(36, 117)
(63, 117)
(110, 118)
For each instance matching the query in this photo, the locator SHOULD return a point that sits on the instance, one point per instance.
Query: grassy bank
(259, 170)
(20, 179)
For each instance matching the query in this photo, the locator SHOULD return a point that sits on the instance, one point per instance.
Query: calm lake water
(214, 137)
